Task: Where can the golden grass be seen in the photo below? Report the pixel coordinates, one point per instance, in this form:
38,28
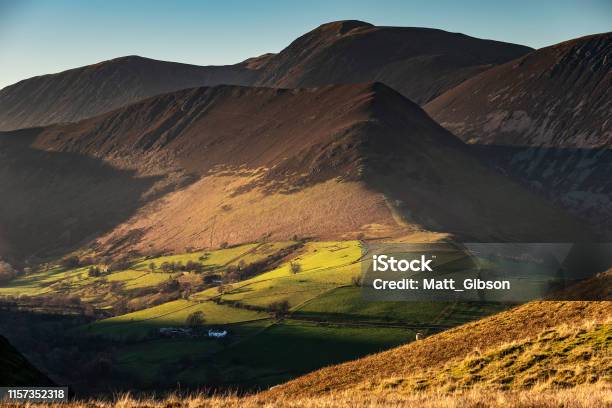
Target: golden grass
587,396
207,213
564,356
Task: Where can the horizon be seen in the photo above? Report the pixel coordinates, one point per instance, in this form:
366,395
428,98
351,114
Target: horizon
32,43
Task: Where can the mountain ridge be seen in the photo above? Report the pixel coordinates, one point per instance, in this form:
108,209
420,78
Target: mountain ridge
419,62
362,152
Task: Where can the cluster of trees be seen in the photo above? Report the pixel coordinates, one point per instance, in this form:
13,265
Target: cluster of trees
190,266
73,261
280,309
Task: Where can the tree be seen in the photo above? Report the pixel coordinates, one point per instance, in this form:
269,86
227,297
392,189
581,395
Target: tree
194,266
195,319
280,309
7,272
152,266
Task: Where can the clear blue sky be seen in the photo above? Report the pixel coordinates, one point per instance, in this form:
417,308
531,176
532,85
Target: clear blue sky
44,36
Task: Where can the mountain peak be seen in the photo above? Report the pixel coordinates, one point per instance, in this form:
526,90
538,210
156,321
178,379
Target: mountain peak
343,26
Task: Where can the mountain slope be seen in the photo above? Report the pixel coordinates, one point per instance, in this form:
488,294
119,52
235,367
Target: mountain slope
204,166
559,96
545,119
15,370
421,63
455,346
88,91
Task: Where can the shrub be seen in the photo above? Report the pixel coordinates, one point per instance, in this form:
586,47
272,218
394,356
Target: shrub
195,319
7,272
171,285
94,271
70,262
356,280
224,245
119,265
295,267
152,266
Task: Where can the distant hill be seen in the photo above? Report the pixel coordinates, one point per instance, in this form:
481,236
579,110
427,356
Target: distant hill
94,89
420,63
545,119
480,345
205,166
15,370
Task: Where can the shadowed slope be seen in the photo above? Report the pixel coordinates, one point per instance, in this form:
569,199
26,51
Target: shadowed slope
15,370
55,200
545,119
334,161
558,96
421,63
88,91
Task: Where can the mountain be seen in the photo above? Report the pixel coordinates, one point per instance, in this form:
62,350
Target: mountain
558,96
420,63
15,370
525,344
544,118
88,91
204,166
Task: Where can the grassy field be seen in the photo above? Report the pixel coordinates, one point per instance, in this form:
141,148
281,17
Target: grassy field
290,348
171,314
322,266
95,289
327,320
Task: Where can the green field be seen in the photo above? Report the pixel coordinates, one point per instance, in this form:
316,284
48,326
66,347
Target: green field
327,320
171,314
290,348
322,266
77,282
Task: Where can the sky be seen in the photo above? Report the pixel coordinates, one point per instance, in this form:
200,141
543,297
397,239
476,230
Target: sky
43,36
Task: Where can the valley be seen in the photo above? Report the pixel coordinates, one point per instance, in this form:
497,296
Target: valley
178,235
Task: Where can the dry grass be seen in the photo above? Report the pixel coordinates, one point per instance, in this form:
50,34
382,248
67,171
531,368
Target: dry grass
594,395
562,357
208,212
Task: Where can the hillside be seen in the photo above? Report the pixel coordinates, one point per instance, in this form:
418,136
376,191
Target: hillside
544,119
185,168
15,370
421,63
450,349
90,90
558,96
